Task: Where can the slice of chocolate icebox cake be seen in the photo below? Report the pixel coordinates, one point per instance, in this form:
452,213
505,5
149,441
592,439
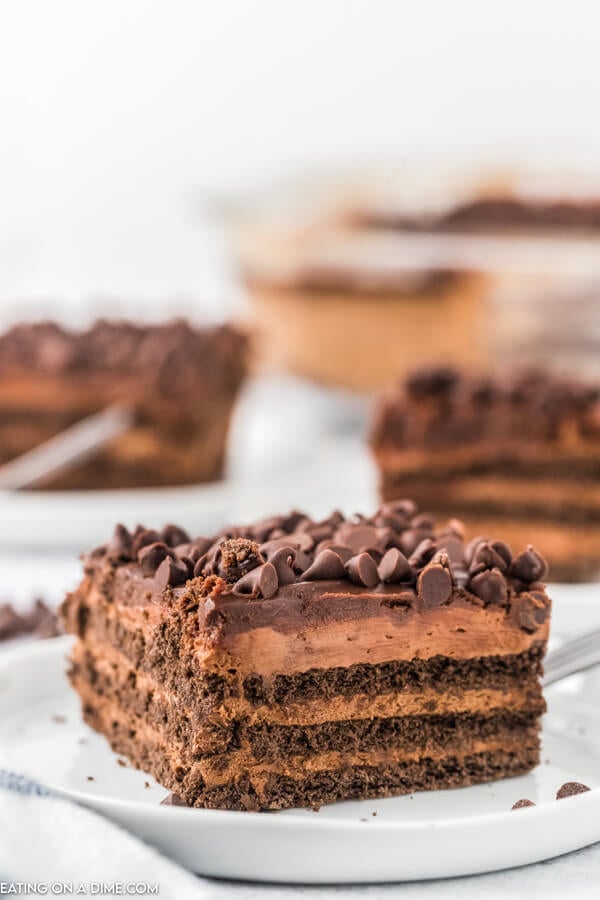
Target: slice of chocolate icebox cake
294,663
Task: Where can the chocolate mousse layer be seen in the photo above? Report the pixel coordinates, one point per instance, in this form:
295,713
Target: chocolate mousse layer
294,662
518,454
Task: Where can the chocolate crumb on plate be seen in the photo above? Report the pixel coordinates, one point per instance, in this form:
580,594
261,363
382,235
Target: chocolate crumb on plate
121,762
91,778
40,621
570,788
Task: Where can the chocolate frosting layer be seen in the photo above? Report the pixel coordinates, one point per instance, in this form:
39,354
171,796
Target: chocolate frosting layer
437,408
170,356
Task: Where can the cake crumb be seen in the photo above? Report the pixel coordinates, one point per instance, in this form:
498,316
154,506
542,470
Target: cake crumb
146,784
373,813
91,778
121,762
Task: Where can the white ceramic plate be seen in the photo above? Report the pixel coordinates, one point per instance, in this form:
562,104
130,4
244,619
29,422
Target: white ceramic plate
434,834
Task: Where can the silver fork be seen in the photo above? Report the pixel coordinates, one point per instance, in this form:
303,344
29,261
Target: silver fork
575,656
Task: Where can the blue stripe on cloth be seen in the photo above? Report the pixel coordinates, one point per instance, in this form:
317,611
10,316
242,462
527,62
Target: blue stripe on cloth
20,784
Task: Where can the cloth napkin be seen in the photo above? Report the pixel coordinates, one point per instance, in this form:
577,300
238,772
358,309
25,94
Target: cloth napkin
45,840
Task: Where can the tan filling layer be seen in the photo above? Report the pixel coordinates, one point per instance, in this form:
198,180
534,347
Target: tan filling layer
227,767
118,669
399,461
380,634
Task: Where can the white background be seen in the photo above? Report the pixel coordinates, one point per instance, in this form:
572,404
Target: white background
117,117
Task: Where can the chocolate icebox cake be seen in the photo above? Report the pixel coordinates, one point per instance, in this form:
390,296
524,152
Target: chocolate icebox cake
519,454
294,662
180,381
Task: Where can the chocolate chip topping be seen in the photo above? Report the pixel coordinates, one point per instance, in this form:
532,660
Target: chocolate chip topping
151,556
434,583
570,788
521,804
437,408
328,565
170,573
362,570
529,566
394,567
260,582
172,535
120,547
283,561
396,546
491,587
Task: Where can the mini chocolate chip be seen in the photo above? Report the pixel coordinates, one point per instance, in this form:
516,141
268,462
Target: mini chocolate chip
358,537
327,566
423,553
320,532
423,521
455,526
150,557
521,804
303,539
345,553
410,540
491,587
394,567
259,582
142,538
529,566
485,557
170,573
390,520
434,583
454,547
283,560
472,547
199,565
404,507
362,570
120,546
570,788
173,535
502,550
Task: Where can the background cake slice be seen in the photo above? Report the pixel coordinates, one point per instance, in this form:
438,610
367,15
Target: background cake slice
180,381
517,454
295,663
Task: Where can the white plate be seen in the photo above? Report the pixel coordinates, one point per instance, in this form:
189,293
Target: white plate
428,835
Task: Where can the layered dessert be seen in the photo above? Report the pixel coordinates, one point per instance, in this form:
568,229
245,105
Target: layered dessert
317,320
517,455
483,200
295,662
180,382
